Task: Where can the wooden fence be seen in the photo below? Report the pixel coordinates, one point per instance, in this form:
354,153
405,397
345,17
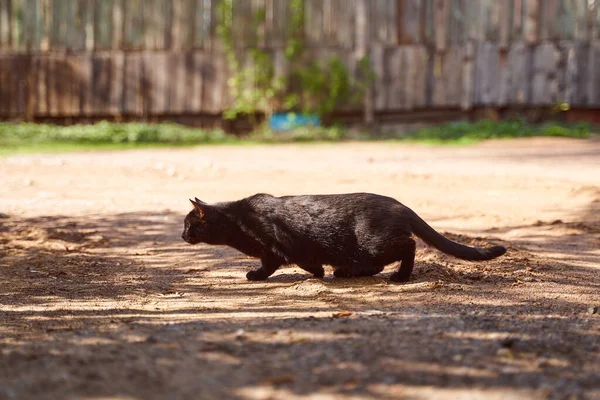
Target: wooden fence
151,58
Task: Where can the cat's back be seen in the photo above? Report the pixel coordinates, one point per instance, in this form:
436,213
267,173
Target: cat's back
325,225
261,201
334,205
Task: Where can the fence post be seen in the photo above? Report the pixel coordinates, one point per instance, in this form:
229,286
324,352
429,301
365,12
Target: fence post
362,50
468,75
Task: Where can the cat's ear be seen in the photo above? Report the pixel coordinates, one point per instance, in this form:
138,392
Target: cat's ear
199,201
198,206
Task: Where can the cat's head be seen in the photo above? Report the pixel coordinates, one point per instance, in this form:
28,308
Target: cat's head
197,224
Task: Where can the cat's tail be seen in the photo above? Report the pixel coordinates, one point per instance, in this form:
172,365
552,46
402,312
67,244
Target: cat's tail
432,238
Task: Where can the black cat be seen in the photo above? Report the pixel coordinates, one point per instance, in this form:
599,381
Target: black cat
358,234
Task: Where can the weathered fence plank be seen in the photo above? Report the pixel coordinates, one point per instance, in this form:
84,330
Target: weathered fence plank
492,20
577,79
17,33
118,27
395,81
154,24
382,22
593,68
5,24
115,105
202,24
314,21
549,13
101,83
362,51
487,76
86,73
594,20
59,86
347,22
41,96
417,76
391,15
76,28
447,78
45,29
74,86
194,85
58,21
277,13
408,18
468,76
177,88
378,58
515,75
505,15
134,24
545,74
31,25
452,76
132,84
426,22
436,80
5,91
457,25
20,75
518,13
157,72
52,97
442,16
580,9
103,25
531,26
214,85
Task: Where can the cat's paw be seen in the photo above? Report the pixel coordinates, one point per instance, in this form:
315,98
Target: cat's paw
256,275
319,274
399,277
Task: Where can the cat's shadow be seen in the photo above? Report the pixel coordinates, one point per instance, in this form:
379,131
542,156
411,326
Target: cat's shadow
329,280
428,272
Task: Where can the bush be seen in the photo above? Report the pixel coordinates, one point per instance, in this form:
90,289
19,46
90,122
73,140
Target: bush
486,129
29,136
107,133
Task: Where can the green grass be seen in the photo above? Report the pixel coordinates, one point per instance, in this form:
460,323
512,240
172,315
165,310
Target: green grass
27,137
469,132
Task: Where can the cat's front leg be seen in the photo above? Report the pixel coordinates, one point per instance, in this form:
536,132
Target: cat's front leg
270,263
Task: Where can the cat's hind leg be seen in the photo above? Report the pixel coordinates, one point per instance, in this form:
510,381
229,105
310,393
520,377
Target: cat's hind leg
315,269
270,263
356,271
407,257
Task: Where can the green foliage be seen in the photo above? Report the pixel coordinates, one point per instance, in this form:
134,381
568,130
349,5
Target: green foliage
486,129
305,134
28,136
323,88
311,86
252,88
295,40
107,133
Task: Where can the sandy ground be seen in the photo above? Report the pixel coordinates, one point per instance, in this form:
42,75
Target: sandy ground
100,298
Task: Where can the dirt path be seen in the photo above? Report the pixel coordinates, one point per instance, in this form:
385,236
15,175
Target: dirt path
100,297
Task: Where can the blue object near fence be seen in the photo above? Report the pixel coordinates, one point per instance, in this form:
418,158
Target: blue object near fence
289,121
